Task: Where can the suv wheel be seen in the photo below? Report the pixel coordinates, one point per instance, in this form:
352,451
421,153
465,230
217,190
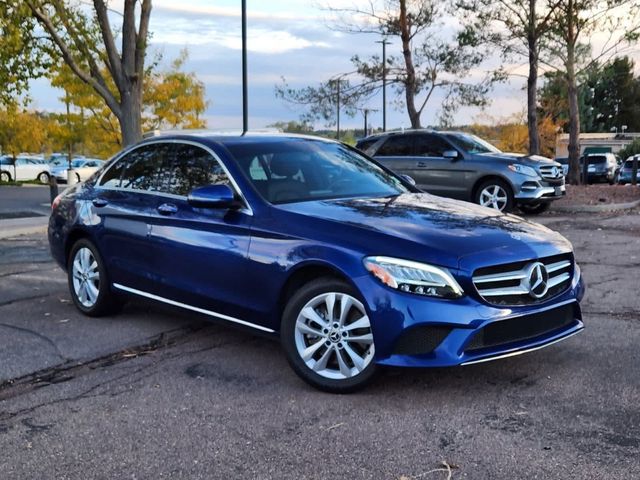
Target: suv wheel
327,337
88,281
495,194
534,208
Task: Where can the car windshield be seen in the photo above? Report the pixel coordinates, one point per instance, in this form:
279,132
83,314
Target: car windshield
298,170
471,143
78,163
596,159
629,163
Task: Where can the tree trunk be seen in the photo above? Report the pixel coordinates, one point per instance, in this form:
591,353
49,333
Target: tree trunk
574,118
410,81
130,118
532,82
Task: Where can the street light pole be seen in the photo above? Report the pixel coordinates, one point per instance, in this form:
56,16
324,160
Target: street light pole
366,112
338,110
245,99
384,43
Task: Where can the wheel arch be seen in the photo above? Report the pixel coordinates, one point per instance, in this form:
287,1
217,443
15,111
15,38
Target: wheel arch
73,236
484,178
304,273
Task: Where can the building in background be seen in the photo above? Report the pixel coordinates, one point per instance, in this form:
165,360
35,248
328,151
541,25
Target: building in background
595,142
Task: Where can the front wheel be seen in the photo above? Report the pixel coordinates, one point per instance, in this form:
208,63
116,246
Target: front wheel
496,194
327,337
534,208
5,177
43,178
88,281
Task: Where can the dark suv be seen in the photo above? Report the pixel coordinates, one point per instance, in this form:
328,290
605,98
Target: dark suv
463,166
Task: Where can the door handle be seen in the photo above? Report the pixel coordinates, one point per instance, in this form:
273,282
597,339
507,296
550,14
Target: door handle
99,202
167,209
422,164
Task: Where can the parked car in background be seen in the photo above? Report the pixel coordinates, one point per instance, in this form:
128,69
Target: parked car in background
24,168
309,241
82,168
626,171
462,166
58,159
601,167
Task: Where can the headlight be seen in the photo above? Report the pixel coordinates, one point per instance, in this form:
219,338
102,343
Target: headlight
523,169
414,277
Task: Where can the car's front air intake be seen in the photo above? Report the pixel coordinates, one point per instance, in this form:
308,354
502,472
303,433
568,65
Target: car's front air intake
524,283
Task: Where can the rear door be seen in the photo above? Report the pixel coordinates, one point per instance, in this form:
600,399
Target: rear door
126,201
201,253
398,154
27,169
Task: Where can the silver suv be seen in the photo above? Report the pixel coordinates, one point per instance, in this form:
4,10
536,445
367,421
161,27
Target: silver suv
463,166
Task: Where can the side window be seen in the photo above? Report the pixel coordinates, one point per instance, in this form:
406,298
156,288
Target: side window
397,146
137,170
194,167
256,170
431,146
111,178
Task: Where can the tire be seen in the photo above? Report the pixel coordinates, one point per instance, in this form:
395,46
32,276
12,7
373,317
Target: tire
90,270
496,194
534,208
5,177
43,178
340,350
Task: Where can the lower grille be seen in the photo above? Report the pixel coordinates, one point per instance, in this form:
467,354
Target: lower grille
420,340
524,283
528,327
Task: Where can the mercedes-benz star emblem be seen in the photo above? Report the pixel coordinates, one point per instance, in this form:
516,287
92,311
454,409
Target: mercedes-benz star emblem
538,279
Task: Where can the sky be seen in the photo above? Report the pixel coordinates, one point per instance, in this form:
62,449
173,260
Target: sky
287,39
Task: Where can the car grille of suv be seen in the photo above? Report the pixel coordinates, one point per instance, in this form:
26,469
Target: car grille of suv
551,172
524,283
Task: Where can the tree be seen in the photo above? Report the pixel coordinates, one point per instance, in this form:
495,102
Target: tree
575,22
292,127
428,62
20,131
519,28
43,31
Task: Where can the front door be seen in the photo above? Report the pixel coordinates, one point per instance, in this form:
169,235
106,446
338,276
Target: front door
201,253
437,174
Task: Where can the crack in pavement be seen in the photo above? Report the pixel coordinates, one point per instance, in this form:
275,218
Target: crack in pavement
24,299
40,336
630,315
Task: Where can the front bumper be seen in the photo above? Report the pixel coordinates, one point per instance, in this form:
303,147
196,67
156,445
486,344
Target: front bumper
533,191
412,331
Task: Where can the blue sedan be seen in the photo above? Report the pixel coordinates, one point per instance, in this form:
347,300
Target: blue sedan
310,241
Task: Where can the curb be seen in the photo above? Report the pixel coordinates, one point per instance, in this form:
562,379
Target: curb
610,207
23,226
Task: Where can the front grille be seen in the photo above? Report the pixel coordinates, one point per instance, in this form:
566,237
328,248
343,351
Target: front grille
518,283
551,172
528,327
420,340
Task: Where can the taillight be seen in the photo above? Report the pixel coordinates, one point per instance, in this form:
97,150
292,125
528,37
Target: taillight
56,202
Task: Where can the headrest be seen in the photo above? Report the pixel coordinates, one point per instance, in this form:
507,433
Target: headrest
286,164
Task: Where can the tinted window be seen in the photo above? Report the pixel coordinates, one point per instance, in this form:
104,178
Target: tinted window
111,178
471,143
364,145
300,170
431,146
193,167
596,159
397,146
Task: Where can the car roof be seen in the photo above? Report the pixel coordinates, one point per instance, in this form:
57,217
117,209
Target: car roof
412,131
216,137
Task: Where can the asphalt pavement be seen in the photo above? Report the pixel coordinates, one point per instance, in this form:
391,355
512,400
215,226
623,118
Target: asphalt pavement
159,393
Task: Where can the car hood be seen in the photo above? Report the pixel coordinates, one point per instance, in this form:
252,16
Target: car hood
532,160
432,229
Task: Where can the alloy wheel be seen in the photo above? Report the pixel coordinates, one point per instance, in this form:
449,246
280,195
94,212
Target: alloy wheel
494,196
333,336
86,277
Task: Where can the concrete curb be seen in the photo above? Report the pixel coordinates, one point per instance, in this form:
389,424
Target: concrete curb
609,207
23,226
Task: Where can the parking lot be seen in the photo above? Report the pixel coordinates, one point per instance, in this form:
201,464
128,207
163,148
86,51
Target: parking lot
159,393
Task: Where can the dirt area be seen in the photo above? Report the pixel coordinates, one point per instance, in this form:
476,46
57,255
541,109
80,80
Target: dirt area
599,194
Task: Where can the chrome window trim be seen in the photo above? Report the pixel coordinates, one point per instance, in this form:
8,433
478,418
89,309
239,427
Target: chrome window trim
246,209
191,307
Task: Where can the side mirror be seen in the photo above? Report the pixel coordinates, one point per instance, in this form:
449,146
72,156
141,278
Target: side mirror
450,154
212,196
408,179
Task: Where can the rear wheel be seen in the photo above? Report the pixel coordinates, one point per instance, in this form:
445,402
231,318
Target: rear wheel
534,208
496,194
89,282
43,178
327,337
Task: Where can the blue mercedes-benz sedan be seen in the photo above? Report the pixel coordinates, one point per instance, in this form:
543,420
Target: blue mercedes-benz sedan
310,240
